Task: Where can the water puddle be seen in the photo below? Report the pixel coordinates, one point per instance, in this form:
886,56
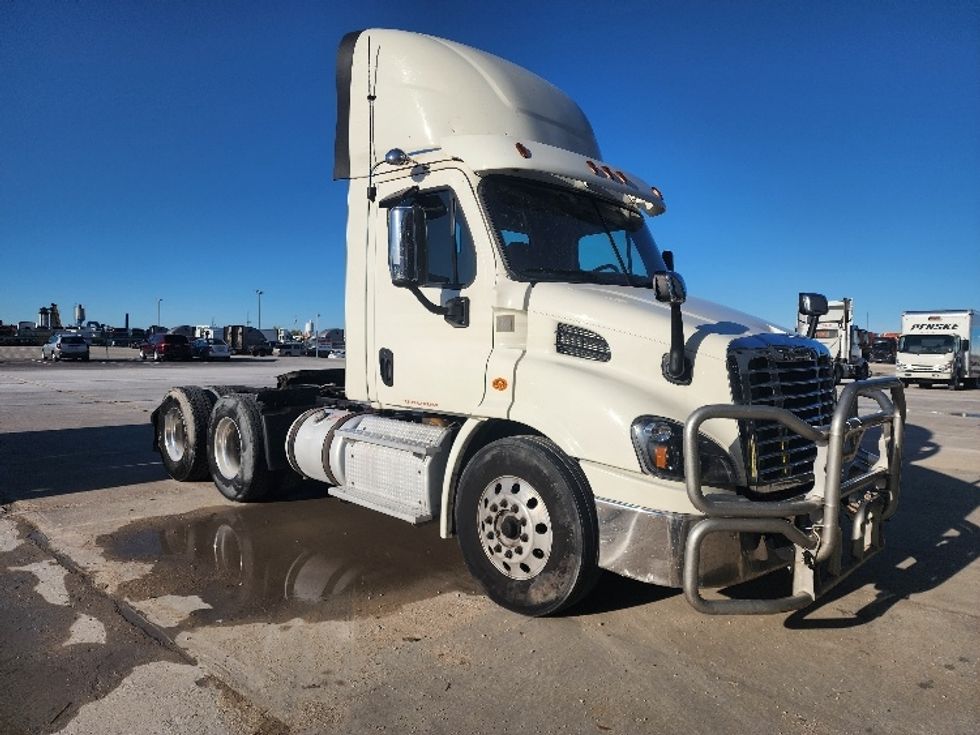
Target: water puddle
319,559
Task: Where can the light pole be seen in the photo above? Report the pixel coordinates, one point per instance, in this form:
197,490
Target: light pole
258,293
159,301
316,335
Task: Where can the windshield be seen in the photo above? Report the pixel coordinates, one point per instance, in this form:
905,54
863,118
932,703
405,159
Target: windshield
927,344
550,233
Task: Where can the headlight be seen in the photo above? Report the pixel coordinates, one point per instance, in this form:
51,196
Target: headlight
900,365
659,445
946,368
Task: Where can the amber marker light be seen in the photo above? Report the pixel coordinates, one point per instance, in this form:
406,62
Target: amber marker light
656,192
523,150
499,384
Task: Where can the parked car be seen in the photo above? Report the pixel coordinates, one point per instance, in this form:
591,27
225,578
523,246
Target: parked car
339,353
65,347
166,347
289,349
260,350
211,348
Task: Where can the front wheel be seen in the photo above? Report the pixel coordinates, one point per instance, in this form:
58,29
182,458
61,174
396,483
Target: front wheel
954,381
236,449
142,355
527,525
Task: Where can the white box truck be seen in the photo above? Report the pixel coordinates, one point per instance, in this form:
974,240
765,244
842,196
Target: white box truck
837,331
524,367
939,347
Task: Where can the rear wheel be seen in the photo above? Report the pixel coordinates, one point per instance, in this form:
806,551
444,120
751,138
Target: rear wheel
235,449
182,432
527,525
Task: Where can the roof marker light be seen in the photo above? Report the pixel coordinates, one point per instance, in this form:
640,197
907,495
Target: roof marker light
622,177
523,150
656,192
595,169
609,172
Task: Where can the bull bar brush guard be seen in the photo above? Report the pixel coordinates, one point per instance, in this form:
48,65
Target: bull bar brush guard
812,521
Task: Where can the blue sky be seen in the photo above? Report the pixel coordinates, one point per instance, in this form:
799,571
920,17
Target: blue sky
184,151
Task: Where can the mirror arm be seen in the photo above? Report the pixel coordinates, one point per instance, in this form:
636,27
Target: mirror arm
429,305
456,311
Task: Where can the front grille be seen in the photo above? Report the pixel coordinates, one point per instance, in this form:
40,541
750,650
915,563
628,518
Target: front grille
794,377
579,342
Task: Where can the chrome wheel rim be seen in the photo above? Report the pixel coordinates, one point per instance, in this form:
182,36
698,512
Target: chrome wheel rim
515,527
227,448
174,434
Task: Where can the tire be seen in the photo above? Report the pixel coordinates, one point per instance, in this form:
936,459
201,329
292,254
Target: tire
545,553
142,354
44,356
182,432
954,381
905,383
85,358
236,449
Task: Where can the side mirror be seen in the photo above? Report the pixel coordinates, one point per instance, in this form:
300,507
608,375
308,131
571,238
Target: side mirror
669,287
813,304
406,244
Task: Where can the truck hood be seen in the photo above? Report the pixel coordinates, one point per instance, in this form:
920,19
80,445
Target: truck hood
709,328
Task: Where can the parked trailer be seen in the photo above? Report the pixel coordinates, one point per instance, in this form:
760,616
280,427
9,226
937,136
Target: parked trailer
524,366
939,347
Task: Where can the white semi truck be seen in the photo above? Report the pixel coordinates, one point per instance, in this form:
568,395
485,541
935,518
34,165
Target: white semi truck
523,365
837,331
939,347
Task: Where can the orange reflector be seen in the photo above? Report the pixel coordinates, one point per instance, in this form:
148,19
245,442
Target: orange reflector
499,384
522,149
660,457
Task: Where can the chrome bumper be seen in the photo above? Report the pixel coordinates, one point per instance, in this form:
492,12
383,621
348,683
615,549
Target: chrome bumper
649,545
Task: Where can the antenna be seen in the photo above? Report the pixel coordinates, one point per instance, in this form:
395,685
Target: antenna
372,86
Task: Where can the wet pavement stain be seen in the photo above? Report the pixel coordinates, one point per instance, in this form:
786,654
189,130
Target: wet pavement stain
319,559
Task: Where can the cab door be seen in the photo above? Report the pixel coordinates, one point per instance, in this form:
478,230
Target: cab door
422,359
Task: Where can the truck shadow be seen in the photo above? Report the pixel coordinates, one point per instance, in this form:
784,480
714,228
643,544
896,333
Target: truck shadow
37,464
928,541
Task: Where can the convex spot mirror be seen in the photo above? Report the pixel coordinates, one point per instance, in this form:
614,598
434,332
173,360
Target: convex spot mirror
669,287
406,244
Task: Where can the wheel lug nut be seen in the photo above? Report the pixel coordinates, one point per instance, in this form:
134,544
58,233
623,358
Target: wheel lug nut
508,553
519,550
493,508
490,535
524,537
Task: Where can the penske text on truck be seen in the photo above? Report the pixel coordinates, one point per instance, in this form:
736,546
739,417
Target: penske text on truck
524,366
